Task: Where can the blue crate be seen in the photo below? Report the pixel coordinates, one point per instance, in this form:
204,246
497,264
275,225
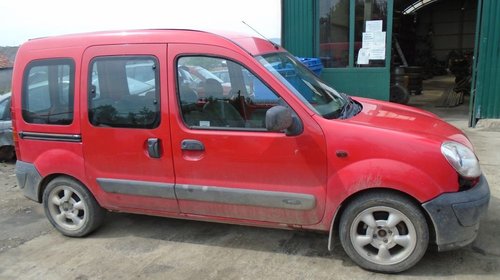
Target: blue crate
289,73
312,63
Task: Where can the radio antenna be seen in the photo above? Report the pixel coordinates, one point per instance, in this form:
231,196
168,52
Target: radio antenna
260,34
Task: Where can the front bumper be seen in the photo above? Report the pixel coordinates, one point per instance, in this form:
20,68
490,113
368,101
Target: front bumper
456,215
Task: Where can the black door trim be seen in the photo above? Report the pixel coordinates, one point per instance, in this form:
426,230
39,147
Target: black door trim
50,136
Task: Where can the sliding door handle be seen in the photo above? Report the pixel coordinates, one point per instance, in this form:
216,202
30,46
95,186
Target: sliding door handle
154,147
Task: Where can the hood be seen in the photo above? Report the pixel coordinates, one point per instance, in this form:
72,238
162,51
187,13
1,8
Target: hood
405,119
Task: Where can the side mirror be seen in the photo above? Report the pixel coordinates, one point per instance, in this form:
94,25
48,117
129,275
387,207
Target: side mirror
279,118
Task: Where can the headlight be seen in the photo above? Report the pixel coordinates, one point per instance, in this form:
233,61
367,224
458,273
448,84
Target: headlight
462,159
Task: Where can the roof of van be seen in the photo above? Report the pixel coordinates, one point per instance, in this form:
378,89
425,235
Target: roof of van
250,44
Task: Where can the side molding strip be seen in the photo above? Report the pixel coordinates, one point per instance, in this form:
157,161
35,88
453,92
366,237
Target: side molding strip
50,136
141,188
284,200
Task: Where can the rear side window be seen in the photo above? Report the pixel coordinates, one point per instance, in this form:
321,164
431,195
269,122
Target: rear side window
124,92
48,90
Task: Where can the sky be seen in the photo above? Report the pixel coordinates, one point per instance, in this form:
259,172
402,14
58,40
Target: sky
25,19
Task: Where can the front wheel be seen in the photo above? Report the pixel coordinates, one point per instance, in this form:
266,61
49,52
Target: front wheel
384,232
71,208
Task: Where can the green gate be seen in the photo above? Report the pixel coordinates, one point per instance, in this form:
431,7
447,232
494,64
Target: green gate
335,30
485,97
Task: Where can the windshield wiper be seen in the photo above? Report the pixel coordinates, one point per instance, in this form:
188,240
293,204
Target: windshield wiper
346,109
340,112
350,108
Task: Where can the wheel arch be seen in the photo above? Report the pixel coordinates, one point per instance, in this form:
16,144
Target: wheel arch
47,179
59,162
334,227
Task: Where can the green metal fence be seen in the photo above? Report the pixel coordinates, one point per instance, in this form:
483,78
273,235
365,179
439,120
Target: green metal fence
299,27
485,101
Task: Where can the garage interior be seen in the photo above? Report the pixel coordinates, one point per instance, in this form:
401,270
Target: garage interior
433,45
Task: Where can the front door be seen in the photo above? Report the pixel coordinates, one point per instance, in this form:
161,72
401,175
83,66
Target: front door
226,163
125,129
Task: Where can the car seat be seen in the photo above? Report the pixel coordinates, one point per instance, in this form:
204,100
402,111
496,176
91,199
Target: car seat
220,112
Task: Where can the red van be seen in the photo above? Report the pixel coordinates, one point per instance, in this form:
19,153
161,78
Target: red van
108,122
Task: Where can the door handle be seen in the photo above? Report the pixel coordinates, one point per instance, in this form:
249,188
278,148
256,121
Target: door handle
192,145
154,147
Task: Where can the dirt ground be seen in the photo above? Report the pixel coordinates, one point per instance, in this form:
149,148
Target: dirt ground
142,247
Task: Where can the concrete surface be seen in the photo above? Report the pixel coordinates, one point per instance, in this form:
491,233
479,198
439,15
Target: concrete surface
142,247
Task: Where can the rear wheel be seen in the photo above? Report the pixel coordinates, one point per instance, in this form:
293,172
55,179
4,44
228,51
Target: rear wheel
384,232
71,208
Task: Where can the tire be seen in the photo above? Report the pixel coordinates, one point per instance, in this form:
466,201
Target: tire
399,94
71,208
373,238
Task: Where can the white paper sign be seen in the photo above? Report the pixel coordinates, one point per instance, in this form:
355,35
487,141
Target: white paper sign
379,39
377,53
363,56
367,40
373,40
205,123
373,26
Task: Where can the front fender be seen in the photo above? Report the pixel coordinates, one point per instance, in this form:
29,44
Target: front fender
382,173
377,174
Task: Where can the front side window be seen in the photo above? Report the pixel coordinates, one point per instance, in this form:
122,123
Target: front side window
219,93
48,90
124,92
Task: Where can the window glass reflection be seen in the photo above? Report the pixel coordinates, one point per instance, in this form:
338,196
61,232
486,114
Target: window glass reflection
334,33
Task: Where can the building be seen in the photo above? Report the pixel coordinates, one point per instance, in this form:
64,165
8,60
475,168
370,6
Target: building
360,41
7,55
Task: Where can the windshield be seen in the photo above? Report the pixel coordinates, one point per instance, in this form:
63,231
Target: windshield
318,96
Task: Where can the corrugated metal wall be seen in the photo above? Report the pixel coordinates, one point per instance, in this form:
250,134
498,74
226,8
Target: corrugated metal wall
298,27
487,93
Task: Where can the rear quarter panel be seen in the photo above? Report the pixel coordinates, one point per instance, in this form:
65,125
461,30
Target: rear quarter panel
49,157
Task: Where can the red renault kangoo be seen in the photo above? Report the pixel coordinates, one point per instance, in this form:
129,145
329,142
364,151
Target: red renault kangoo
118,121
